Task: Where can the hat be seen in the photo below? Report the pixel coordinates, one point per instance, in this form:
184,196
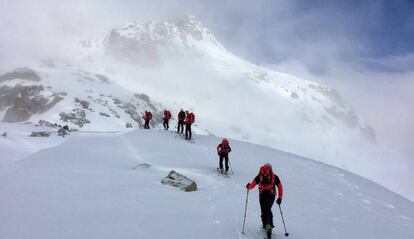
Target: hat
266,169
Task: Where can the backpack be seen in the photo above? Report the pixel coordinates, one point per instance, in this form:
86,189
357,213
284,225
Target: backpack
192,117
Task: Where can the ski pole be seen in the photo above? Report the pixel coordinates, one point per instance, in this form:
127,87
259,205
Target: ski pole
283,220
231,169
245,210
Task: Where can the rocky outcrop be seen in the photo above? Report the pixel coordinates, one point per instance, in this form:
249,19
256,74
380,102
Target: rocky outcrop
83,103
21,102
78,117
40,134
180,181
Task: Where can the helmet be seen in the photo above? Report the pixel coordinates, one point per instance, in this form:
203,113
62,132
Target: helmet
225,141
266,169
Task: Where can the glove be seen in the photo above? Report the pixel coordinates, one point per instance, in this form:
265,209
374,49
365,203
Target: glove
248,185
279,201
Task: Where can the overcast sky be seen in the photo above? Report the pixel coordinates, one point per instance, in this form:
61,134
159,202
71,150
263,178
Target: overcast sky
364,49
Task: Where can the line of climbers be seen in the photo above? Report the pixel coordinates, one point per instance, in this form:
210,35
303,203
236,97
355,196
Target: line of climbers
266,178
184,118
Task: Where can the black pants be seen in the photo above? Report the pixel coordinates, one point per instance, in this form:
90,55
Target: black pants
165,123
180,127
224,156
267,199
188,131
146,125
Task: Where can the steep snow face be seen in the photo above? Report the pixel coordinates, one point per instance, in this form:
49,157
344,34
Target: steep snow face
108,185
150,42
181,64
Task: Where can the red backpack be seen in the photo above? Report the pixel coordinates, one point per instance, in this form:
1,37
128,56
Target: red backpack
192,117
149,115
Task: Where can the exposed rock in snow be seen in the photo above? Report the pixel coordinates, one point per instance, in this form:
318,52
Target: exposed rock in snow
62,131
20,102
83,103
4,134
40,134
78,117
179,181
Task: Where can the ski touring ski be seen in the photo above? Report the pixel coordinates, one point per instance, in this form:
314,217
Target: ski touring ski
220,173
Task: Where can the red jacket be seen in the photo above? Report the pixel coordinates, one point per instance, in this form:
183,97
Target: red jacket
223,148
167,115
266,184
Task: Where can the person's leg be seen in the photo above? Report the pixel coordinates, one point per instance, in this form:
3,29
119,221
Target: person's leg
221,162
186,131
168,126
267,199
262,209
272,200
189,131
226,157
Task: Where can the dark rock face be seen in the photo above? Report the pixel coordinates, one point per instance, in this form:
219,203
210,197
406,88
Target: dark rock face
180,181
24,101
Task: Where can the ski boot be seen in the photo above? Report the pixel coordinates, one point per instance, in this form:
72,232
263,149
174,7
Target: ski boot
268,230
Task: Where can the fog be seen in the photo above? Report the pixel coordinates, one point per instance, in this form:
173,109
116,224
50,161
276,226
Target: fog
363,49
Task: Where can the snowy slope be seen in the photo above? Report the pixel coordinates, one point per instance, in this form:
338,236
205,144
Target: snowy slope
180,64
90,187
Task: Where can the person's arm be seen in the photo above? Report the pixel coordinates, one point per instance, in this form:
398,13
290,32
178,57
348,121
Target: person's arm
218,148
279,186
253,184
229,149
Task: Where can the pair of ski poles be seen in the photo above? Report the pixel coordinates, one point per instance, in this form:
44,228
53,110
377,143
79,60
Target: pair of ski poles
245,210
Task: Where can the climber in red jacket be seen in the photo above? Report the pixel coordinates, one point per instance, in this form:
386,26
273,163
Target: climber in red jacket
166,118
268,181
189,120
223,150
147,117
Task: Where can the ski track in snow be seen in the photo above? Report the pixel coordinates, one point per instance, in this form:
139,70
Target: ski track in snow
107,185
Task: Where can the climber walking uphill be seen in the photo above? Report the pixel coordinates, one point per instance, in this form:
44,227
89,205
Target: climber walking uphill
180,119
223,150
268,181
147,117
189,120
166,118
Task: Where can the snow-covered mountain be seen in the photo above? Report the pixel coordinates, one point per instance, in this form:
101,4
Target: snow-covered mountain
108,185
180,64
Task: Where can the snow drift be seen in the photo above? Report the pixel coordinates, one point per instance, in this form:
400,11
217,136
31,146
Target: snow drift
90,187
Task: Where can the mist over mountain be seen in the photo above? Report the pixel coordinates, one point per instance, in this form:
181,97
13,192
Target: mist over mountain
179,63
